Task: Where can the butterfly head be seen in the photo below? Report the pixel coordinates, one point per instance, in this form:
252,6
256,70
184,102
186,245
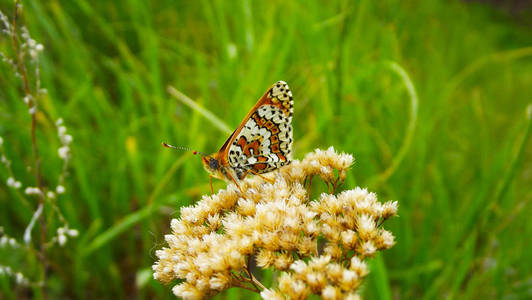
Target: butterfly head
212,164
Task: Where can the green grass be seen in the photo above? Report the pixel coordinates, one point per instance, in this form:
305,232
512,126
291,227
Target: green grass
429,96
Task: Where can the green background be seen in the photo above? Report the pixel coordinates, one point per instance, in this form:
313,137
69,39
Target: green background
429,96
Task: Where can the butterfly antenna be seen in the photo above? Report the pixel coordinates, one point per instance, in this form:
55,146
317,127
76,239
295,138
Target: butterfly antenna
182,148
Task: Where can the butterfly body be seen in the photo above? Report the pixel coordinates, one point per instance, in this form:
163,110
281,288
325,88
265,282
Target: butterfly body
262,142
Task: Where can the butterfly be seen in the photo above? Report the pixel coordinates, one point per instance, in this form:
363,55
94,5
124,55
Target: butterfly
261,143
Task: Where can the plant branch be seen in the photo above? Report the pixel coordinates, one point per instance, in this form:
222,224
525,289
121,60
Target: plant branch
252,278
239,284
32,106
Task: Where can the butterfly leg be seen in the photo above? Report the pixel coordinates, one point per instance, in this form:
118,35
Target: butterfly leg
236,183
210,181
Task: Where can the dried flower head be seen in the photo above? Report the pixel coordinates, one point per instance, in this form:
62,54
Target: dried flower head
274,222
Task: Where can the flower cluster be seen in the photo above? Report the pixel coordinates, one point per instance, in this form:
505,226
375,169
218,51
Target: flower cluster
30,44
11,182
20,279
64,232
6,240
66,139
64,154
319,245
10,244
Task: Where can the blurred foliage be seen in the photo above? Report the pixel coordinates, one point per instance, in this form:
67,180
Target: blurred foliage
462,179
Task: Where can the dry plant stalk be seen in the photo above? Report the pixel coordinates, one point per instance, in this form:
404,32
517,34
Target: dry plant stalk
318,246
23,59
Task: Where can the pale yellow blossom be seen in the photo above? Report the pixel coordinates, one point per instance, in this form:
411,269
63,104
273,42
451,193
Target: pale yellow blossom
319,245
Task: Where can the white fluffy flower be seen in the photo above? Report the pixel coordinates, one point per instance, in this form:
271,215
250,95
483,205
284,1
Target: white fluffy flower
64,152
60,189
32,191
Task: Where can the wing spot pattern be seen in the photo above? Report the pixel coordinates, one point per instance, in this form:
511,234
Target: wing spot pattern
264,142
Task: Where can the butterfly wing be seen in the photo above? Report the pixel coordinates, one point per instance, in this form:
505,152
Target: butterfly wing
263,141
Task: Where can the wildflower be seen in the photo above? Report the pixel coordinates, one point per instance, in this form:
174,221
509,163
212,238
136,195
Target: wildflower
66,139
5,22
61,238
11,182
19,278
268,294
60,189
63,233
64,152
5,240
385,239
389,209
32,191
274,222
72,232
61,130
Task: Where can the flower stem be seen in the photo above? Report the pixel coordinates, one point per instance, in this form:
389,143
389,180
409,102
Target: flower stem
242,286
31,104
252,279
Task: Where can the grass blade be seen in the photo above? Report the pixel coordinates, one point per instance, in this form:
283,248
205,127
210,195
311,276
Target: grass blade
201,110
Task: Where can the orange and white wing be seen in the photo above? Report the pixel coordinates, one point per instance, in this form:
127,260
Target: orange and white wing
263,141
